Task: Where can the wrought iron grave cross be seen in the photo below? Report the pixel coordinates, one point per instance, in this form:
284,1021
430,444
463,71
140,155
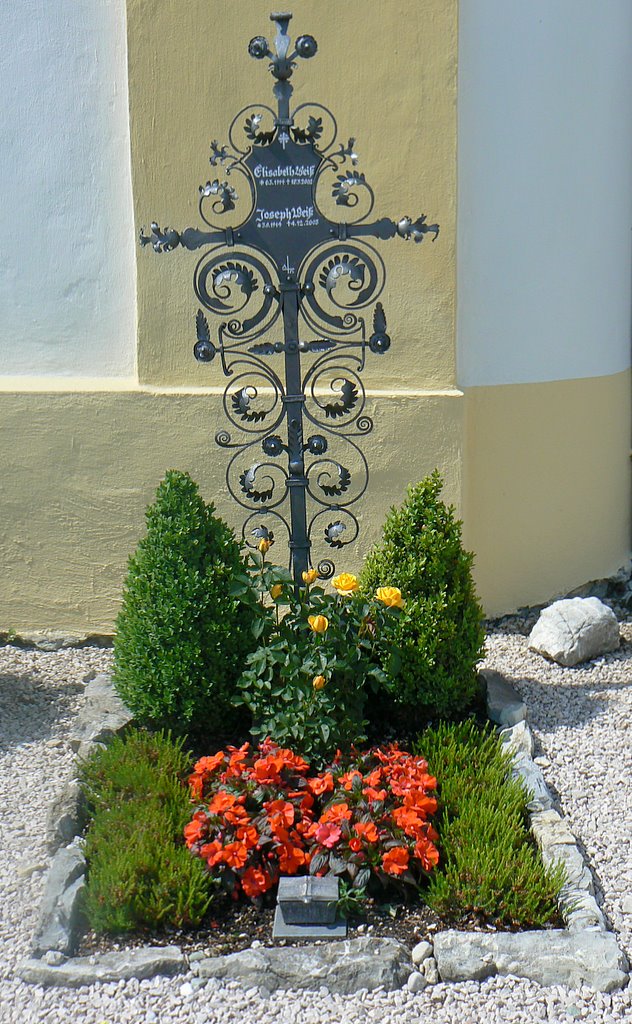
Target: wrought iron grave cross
286,260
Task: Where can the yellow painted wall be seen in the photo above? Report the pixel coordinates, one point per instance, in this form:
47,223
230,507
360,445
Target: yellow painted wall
539,472
386,70
546,486
88,461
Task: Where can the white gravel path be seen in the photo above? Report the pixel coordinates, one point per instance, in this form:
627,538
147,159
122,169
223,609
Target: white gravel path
582,720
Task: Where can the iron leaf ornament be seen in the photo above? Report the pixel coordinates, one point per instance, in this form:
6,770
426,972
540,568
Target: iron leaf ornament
272,263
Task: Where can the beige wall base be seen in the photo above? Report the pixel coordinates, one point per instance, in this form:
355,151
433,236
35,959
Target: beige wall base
545,494
546,486
80,467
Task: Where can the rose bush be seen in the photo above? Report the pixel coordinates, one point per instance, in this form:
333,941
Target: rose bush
308,681
261,814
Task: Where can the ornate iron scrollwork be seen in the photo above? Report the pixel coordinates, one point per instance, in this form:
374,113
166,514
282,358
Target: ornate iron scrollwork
284,259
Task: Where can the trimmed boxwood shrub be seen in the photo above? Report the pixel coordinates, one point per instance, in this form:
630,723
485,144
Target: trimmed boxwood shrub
181,640
438,639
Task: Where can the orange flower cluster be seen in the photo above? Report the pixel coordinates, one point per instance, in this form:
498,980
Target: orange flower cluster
380,806
256,809
261,815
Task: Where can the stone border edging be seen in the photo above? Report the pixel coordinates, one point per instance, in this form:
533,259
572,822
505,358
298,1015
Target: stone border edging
584,953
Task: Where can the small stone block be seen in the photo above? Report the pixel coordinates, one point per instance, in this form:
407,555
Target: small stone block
308,900
282,930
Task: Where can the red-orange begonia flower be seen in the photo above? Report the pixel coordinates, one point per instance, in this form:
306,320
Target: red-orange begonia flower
374,794
212,853
278,829
427,854
373,778
236,815
221,802
293,761
395,861
291,858
346,779
337,812
280,808
267,771
366,830
196,785
321,784
306,827
355,845
248,835
209,764
235,855
196,829
255,882
420,802
408,820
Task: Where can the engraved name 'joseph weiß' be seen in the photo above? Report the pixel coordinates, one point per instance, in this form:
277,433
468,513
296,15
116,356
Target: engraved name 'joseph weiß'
289,214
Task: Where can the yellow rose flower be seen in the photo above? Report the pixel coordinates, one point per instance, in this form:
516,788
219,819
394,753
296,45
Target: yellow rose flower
264,546
310,576
276,590
345,583
319,623
318,682
390,596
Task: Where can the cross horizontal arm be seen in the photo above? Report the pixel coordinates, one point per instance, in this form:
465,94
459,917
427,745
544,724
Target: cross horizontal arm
191,238
386,228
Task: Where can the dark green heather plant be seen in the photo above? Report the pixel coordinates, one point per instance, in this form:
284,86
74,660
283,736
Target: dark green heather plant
181,639
490,869
138,766
438,639
138,877
140,873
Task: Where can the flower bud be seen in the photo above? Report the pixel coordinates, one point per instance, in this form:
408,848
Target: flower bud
319,623
310,576
319,682
264,546
276,590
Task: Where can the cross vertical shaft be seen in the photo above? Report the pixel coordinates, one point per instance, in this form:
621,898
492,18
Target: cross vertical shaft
294,401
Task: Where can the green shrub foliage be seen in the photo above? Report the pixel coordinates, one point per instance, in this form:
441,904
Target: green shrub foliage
140,874
438,639
180,638
489,868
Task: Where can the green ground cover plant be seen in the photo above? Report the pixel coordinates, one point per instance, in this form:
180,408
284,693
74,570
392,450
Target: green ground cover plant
140,874
491,869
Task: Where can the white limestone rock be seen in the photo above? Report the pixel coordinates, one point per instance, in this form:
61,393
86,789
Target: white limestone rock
547,957
144,962
60,913
345,967
575,630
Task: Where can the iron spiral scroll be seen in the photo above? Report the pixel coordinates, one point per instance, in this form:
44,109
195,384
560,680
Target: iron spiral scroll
294,296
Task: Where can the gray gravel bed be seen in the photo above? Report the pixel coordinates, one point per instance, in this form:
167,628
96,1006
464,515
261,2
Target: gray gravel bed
581,718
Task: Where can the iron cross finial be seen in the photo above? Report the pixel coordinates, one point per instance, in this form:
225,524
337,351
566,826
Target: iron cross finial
282,65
